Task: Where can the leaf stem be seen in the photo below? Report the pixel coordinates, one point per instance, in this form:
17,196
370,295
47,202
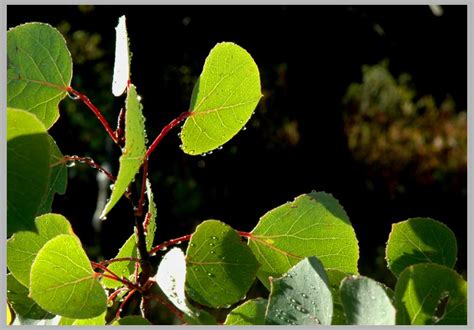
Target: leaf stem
168,243
95,110
165,131
107,262
85,160
119,310
245,234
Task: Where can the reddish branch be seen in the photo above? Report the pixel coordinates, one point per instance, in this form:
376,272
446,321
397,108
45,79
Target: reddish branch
168,243
165,131
95,110
89,161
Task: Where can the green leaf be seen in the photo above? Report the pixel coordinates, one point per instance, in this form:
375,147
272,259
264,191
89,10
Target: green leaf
302,296
26,310
133,154
63,282
366,302
66,321
28,171
58,177
23,246
171,277
220,268
98,320
421,293
122,268
39,69
251,312
132,320
223,99
420,240
314,224
151,228
335,278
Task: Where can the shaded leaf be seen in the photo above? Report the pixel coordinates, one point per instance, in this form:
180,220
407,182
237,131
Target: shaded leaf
28,171
420,240
220,268
366,302
335,277
57,179
23,246
421,292
133,153
63,282
39,69
251,312
223,99
314,224
26,310
302,296
132,320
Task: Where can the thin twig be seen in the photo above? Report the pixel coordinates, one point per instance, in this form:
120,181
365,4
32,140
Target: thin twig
95,110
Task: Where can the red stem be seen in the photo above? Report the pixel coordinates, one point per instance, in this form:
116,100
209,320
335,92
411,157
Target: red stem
168,243
139,210
95,110
187,238
115,293
112,275
90,162
165,131
129,295
245,234
107,262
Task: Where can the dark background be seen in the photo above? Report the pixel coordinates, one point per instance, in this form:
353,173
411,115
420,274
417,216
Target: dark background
307,56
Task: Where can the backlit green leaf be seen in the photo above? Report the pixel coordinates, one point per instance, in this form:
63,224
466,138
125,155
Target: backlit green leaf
251,312
366,302
301,297
420,240
132,320
26,310
98,320
134,151
39,68
63,282
23,246
220,268
122,268
223,99
430,294
314,224
28,171
57,179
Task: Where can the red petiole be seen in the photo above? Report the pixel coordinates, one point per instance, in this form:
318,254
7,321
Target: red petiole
95,110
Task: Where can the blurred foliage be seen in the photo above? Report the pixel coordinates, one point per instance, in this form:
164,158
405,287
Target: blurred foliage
394,132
